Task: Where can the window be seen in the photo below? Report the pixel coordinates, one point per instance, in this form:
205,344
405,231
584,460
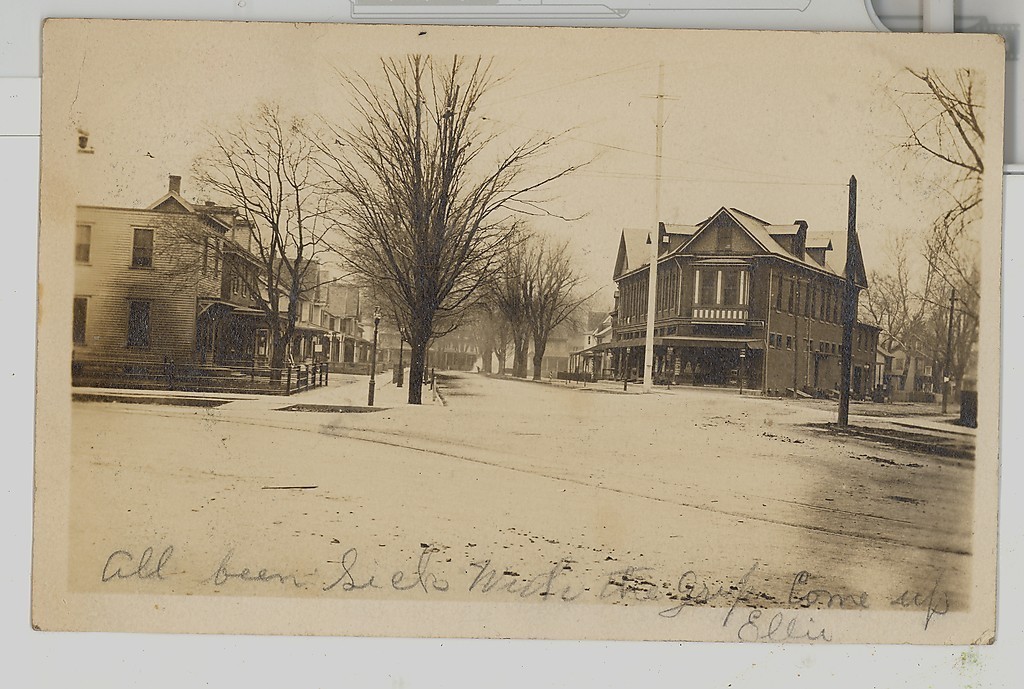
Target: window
83,243
778,295
725,239
142,249
78,320
216,258
789,342
709,287
206,254
730,287
138,323
792,296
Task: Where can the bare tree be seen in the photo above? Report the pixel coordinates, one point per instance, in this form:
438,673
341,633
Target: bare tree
942,115
264,167
510,291
491,332
554,293
424,205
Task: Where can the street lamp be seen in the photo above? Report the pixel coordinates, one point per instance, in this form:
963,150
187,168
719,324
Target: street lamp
743,361
373,356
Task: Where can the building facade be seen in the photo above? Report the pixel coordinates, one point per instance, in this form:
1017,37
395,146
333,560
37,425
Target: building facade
177,283
741,301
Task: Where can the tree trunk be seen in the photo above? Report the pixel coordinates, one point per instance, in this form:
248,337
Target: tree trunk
485,360
539,346
502,359
417,364
520,346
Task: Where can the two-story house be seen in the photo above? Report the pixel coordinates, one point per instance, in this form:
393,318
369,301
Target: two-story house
148,281
740,297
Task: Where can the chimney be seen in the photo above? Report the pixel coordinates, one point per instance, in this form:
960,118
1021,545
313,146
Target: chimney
174,184
800,240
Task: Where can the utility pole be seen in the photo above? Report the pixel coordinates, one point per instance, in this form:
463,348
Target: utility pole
849,310
654,241
373,358
949,352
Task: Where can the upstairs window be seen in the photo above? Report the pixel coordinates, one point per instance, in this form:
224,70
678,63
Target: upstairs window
708,287
142,248
83,243
731,287
724,239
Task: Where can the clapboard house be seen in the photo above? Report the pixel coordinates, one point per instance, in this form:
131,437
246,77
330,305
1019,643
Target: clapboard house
740,300
176,286
145,278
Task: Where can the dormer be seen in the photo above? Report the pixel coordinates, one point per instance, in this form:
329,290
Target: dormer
816,247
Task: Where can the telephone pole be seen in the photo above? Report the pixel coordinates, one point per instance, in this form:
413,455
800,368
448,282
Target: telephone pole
849,310
949,352
654,240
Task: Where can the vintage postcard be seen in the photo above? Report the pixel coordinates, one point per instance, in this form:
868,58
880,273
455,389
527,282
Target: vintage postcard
509,332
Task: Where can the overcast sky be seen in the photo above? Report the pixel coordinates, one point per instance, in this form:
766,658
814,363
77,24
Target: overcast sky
771,124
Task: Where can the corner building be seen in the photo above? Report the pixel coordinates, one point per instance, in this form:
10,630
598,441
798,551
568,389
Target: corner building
741,301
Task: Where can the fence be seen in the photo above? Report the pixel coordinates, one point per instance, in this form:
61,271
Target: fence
197,378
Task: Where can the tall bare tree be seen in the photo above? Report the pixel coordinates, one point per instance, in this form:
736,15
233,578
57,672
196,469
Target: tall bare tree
510,290
554,293
942,116
264,167
942,113
424,200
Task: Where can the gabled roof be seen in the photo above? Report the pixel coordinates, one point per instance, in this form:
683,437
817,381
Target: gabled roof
168,201
633,250
766,235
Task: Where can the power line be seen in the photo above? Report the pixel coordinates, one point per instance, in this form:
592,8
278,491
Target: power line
650,153
573,82
644,176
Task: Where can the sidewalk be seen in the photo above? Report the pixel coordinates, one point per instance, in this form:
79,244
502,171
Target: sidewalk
343,390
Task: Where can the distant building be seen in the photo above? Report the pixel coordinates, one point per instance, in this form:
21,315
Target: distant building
739,297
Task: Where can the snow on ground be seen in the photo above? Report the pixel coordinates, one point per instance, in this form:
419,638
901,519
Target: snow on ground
510,486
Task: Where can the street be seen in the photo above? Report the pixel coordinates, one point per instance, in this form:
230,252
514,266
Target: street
623,498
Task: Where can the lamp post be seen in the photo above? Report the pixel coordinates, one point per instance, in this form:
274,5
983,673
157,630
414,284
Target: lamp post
373,356
743,361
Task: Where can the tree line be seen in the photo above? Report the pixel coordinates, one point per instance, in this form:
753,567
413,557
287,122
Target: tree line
943,145
414,196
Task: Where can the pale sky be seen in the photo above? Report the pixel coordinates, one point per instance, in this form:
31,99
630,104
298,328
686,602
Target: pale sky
771,124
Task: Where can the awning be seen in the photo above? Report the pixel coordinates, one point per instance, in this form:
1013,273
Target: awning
310,327
595,349
205,305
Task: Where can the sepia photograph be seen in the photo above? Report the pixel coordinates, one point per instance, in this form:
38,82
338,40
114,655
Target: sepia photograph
518,332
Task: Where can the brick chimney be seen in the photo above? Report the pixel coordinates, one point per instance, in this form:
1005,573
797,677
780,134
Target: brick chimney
174,183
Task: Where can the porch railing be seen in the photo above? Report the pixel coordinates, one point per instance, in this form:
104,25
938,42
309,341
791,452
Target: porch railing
168,375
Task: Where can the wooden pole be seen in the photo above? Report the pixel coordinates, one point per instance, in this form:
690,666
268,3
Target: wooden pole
949,352
654,240
849,310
